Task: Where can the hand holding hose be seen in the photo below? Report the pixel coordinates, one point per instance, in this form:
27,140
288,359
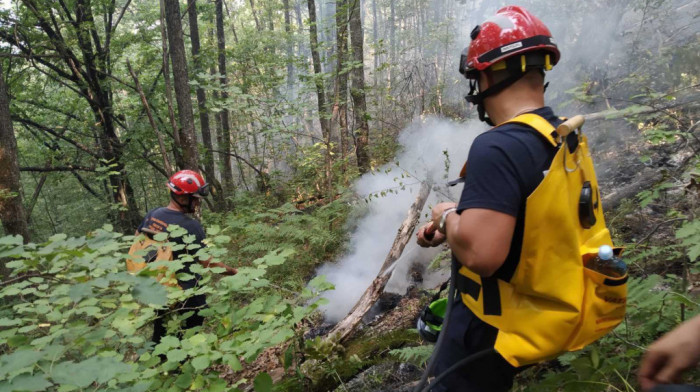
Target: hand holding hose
428,235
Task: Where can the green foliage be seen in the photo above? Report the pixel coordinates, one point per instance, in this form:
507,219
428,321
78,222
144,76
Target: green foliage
74,319
307,238
649,196
418,355
689,234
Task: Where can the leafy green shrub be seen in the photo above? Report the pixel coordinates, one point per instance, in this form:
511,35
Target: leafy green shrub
72,318
315,235
418,355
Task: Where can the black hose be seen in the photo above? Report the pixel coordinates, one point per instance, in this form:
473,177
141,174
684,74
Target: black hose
443,331
458,365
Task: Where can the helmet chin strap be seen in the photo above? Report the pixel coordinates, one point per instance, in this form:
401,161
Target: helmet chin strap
478,99
186,207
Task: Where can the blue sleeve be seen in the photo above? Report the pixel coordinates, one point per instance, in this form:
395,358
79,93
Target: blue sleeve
143,222
492,180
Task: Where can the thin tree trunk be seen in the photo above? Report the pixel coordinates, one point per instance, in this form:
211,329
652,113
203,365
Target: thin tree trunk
341,76
358,89
255,15
290,47
392,42
182,85
12,212
179,162
161,143
202,106
375,41
223,80
320,92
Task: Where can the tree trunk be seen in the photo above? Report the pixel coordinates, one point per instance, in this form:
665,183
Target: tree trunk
12,212
177,151
358,89
88,74
341,76
202,106
375,40
290,47
255,15
223,80
392,42
320,93
182,86
147,108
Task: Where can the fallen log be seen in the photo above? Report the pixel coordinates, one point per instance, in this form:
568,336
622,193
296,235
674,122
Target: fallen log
646,179
345,327
642,108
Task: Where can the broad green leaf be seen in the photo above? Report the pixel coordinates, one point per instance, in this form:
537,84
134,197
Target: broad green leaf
201,362
95,369
233,362
184,380
7,322
80,291
11,363
72,374
176,355
262,383
149,292
11,240
26,382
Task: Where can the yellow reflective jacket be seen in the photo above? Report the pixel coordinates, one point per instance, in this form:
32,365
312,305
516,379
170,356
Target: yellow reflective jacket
552,303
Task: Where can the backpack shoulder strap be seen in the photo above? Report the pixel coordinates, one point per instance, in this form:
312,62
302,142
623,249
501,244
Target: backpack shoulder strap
532,120
538,123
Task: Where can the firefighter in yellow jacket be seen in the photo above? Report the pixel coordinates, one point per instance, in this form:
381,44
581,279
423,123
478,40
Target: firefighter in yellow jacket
527,220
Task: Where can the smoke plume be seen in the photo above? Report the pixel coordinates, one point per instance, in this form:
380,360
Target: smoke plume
430,146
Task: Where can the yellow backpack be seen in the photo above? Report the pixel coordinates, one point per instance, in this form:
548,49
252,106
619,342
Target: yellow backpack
552,303
145,250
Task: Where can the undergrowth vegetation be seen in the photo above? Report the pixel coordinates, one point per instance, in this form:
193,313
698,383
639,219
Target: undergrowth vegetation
73,319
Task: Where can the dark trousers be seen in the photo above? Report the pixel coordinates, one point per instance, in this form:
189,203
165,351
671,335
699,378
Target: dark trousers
194,303
468,335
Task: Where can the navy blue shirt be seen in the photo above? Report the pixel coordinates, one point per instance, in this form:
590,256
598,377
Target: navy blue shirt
506,164
157,220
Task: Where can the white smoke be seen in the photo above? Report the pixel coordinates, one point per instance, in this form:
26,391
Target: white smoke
426,143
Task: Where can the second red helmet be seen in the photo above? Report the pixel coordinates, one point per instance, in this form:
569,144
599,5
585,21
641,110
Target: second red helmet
188,182
513,30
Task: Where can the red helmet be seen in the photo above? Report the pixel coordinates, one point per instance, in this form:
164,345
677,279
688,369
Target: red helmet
513,30
188,182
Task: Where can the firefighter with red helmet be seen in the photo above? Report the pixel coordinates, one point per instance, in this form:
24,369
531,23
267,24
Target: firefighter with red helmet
505,65
187,188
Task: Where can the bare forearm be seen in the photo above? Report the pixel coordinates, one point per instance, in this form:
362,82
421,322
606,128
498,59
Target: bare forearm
211,264
461,246
480,238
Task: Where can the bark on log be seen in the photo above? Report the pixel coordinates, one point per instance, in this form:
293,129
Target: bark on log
609,114
345,327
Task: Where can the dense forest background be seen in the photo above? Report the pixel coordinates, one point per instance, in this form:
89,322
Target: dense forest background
283,106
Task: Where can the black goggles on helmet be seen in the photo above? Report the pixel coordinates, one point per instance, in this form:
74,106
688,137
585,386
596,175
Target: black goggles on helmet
203,191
